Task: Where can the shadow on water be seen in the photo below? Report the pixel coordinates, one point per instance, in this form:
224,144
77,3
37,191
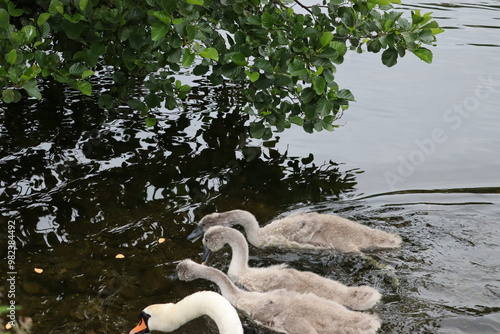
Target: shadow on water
83,186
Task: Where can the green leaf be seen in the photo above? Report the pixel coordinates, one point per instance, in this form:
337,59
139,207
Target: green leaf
195,2
73,30
328,123
339,46
44,30
436,31
326,38
56,7
11,57
187,58
87,73
415,17
346,95
83,4
390,57
136,104
4,18
29,33
297,68
424,54
163,16
175,56
324,107
42,18
431,25
32,89
254,20
264,65
150,121
404,24
169,5
13,11
257,129
426,36
11,96
77,69
253,76
308,126
267,20
191,33
210,53
388,24
319,84
307,95
85,87
239,59
296,120
159,30
123,33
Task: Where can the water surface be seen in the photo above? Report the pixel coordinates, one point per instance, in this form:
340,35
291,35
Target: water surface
417,154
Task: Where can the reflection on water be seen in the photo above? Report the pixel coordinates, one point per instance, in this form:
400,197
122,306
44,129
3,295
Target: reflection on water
81,192
84,186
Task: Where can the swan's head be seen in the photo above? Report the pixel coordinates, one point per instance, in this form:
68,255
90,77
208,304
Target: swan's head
213,240
228,218
216,237
187,270
154,317
142,327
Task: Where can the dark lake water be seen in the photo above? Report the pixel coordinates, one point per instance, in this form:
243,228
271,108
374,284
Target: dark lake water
418,153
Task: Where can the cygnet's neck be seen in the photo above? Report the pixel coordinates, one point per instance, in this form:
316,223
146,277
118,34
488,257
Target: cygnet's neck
251,226
169,317
227,288
239,247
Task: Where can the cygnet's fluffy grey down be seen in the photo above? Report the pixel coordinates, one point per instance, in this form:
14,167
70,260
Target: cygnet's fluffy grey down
285,311
303,230
168,317
282,277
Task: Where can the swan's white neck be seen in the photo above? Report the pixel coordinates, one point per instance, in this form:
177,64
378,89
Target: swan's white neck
169,317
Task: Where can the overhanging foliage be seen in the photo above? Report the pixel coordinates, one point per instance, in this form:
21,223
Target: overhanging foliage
287,51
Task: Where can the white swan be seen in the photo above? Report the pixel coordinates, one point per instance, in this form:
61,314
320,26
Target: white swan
303,230
168,317
285,311
280,276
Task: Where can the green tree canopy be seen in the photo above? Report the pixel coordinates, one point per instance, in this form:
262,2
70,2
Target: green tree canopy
286,51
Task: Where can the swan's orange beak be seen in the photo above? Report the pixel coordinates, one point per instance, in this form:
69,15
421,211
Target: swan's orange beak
141,328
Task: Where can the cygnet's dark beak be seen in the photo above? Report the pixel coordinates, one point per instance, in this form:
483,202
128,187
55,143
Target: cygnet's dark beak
196,234
205,257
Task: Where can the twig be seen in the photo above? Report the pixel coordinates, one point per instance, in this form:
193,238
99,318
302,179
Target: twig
303,6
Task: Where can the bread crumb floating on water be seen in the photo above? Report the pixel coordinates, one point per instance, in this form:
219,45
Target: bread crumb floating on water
119,256
161,240
38,270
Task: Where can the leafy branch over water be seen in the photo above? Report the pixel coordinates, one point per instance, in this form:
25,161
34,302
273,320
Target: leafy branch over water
286,51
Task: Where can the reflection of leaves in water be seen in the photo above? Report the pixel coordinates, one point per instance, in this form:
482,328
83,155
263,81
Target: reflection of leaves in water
93,186
87,167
